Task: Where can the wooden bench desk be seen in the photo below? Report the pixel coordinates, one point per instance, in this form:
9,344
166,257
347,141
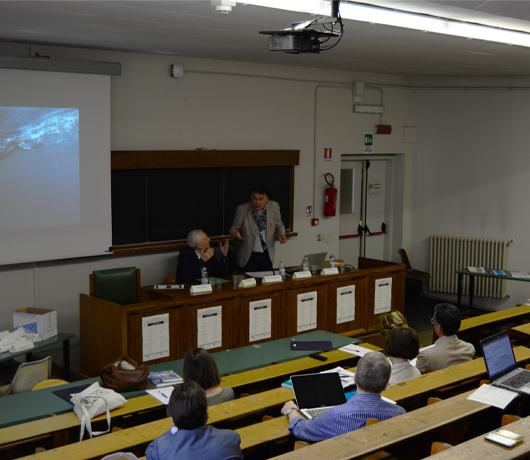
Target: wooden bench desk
249,381
480,448
424,422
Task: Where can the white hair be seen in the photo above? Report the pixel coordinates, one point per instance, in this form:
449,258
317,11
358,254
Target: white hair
194,238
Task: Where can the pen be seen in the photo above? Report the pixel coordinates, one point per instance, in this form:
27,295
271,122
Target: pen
164,395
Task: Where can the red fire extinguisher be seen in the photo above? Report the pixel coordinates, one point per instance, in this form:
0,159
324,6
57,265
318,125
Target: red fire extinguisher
330,199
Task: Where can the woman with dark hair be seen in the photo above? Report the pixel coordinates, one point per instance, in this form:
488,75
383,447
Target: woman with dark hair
200,367
402,345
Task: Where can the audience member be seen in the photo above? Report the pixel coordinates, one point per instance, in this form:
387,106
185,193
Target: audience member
391,320
190,437
448,350
200,367
402,344
373,372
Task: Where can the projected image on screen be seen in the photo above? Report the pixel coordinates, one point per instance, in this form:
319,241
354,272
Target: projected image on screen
39,167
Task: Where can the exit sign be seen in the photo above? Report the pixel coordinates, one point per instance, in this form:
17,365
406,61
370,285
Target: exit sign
369,143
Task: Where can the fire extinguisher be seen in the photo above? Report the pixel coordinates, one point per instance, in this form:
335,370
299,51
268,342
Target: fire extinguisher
330,205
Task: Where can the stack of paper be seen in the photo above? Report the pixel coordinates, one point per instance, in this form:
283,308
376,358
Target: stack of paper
165,378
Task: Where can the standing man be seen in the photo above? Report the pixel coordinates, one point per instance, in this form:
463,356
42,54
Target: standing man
448,350
373,373
253,227
200,254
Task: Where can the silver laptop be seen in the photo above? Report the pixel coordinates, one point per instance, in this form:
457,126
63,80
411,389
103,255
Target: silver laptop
317,393
501,365
317,259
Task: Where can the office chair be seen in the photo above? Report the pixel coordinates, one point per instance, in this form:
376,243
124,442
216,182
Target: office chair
415,278
117,285
28,375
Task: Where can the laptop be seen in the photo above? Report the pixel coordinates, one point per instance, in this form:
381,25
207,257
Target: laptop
501,365
317,393
317,259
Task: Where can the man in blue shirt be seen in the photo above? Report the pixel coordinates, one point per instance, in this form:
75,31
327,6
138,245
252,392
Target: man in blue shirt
191,438
373,373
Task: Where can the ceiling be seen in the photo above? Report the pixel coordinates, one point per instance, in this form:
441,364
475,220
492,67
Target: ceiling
192,28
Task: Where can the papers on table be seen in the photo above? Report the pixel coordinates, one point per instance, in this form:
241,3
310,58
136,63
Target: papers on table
259,326
161,394
155,337
306,312
493,396
355,350
519,275
476,269
260,274
347,378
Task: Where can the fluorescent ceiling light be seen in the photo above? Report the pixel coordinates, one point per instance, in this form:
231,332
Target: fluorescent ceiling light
387,17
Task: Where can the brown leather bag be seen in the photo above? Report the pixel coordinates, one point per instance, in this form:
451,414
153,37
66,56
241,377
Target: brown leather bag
124,374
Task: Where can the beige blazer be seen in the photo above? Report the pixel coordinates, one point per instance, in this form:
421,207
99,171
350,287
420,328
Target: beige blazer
244,224
447,351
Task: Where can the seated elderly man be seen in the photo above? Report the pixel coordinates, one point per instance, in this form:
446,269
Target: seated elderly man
200,254
191,437
448,350
373,373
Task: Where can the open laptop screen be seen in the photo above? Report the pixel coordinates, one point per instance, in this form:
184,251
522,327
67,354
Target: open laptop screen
498,354
318,390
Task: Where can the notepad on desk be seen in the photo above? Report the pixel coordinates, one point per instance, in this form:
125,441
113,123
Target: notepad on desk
165,378
476,269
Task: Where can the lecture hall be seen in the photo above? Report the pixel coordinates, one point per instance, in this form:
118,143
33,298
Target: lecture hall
169,114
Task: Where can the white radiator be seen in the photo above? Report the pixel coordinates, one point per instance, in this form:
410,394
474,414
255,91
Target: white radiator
451,253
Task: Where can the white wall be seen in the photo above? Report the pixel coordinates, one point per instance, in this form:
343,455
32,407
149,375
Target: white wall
150,110
471,170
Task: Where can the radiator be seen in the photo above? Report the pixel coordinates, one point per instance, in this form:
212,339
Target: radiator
451,253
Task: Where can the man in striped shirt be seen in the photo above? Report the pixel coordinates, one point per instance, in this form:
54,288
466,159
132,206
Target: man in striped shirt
373,373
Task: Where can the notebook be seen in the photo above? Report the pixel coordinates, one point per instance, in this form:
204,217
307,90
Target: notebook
501,365
317,259
317,393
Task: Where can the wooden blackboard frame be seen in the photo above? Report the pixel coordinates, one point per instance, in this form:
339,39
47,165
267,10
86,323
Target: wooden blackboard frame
173,159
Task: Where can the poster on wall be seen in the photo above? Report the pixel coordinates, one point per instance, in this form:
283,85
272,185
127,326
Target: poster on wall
155,337
306,312
383,295
209,327
345,304
259,320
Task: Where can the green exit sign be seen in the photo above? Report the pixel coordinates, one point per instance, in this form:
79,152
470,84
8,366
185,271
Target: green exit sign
369,143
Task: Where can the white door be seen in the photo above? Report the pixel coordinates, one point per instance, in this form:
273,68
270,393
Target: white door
363,202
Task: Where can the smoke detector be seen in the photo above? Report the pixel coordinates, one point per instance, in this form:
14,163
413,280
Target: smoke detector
223,6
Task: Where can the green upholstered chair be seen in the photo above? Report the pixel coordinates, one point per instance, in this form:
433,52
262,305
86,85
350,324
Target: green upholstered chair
117,285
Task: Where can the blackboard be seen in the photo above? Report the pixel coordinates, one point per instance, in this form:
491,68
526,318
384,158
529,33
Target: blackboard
153,205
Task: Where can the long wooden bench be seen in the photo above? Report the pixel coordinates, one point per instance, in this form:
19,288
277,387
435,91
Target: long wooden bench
248,381
426,422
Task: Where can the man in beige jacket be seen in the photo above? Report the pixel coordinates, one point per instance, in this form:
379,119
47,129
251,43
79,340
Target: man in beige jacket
253,228
448,350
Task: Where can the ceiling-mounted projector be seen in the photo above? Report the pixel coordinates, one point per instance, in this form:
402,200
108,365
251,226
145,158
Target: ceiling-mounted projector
296,41
301,38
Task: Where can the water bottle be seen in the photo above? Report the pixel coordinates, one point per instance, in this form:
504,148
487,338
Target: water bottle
282,269
305,264
204,275
332,261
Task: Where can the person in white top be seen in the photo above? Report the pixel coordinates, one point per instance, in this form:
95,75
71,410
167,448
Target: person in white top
402,345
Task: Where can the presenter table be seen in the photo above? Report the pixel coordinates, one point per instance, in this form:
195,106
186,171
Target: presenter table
64,338
25,407
472,275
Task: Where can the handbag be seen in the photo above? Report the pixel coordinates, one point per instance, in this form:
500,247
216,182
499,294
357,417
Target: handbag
124,374
94,401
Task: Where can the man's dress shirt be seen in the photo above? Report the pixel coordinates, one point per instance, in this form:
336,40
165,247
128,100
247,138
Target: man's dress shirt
344,418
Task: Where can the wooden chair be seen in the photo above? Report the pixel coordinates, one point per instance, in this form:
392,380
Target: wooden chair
117,285
300,444
169,279
508,418
415,278
48,383
437,446
433,400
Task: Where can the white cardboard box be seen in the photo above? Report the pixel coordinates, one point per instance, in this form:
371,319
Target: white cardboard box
37,321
